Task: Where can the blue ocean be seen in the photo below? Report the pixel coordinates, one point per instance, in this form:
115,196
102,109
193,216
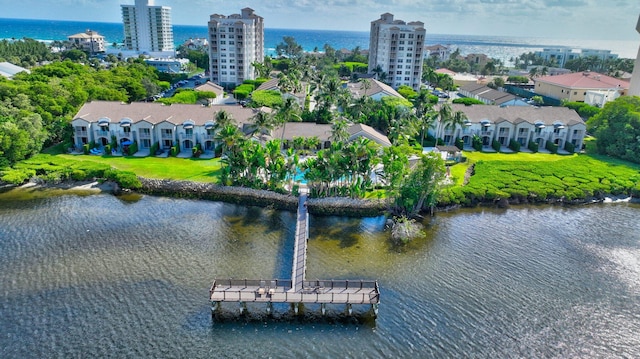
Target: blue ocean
500,47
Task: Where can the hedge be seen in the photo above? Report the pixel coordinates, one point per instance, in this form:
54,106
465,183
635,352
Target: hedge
514,145
533,146
570,147
496,145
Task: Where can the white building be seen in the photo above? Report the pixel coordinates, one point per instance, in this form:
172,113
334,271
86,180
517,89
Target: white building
168,65
561,55
397,48
634,87
147,28
89,41
235,42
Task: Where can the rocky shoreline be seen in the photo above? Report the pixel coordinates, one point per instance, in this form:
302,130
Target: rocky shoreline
333,206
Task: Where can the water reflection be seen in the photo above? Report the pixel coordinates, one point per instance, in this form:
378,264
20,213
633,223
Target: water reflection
93,276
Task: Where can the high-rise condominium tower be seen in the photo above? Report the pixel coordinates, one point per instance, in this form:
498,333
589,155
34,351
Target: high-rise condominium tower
235,42
396,47
147,28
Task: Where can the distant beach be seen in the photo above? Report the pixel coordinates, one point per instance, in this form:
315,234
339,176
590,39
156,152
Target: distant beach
501,47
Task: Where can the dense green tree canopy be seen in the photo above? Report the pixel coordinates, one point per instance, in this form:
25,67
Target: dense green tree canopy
36,108
617,128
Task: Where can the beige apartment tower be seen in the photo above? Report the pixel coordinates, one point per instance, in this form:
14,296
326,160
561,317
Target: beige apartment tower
235,42
147,28
396,47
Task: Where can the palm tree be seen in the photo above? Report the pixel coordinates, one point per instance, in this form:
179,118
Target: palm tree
366,85
378,71
339,131
429,75
289,111
263,123
445,114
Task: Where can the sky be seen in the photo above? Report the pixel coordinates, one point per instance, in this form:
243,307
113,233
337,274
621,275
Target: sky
562,19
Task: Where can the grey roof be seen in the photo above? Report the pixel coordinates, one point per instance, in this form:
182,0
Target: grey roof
360,129
8,69
212,87
357,89
155,112
302,129
487,93
451,149
519,114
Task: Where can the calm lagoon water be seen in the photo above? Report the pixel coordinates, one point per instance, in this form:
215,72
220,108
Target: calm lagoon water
98,276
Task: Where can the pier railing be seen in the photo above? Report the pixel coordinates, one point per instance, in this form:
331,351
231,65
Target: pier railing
277,291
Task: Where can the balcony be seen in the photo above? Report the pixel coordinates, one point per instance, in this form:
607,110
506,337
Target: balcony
81,133
122,134
166,136
186,136
100,133
144,135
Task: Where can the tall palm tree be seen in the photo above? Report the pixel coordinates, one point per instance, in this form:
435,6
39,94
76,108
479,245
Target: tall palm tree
289,111
263,123
366,85
445,114
454,120
339,131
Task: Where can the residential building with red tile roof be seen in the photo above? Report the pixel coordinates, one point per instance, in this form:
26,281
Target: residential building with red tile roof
574,86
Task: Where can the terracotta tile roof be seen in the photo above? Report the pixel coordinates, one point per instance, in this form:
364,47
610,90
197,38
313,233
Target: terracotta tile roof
519,114
584,80
445,71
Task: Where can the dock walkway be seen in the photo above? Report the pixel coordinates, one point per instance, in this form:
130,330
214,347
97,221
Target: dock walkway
298,289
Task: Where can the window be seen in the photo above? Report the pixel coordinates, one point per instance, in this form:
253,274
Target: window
401,48
222,42
411,36
401,42
400,61
402,36
398,72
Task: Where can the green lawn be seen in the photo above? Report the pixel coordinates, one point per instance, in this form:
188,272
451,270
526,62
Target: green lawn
188,169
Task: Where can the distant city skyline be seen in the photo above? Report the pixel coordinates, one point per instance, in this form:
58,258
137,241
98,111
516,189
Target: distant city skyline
566,19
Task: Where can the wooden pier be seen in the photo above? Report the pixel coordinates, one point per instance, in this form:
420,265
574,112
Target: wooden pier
297,290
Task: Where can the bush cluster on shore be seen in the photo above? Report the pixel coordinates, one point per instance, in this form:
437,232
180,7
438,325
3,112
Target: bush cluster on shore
52,169
574,179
